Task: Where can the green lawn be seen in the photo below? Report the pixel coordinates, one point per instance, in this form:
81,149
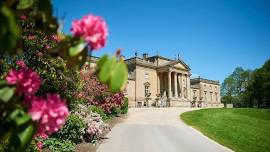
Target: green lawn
242,130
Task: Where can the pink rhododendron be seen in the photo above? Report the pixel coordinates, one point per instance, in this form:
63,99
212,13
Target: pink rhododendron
50,112
93,29
23,17
21,64
39,145
31,37
26,80
56,38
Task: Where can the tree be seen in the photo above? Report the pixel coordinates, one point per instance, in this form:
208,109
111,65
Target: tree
260,85
234,87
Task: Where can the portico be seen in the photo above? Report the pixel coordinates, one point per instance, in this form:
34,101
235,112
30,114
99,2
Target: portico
173,85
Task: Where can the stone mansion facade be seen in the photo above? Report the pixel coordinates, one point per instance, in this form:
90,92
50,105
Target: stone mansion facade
159,81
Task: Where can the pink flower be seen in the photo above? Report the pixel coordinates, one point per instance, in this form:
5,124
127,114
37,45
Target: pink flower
93,29
39,145
26,80
31,37
50,113
23,17
56,38
94,128
47,47
41,135
21,64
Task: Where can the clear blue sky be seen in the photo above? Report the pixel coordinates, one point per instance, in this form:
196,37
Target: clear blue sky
212,36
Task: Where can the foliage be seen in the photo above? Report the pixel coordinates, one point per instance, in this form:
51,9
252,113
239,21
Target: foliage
56,145
235,85
28,32
94,123
99,111
98,94
245,88
124,107
73,130
241,129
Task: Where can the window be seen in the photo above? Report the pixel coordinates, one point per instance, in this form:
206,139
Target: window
146,91
146,76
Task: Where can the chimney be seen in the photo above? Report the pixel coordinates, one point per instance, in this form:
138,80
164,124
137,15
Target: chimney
122,57
145,56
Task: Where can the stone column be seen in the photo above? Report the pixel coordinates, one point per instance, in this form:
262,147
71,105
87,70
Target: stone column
169,85
175,85
182,84
188,87
158,83
186,77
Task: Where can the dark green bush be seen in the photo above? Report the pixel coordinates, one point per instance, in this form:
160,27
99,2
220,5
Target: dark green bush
73,129
100,111
124,107
56,145
115,111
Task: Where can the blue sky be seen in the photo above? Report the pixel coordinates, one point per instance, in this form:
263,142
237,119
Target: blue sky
212,36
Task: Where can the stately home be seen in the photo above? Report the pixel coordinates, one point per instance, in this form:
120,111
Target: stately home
162,82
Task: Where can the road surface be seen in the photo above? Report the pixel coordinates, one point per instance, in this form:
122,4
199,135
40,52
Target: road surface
157,130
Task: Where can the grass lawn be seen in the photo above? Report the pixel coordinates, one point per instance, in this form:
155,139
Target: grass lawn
242,130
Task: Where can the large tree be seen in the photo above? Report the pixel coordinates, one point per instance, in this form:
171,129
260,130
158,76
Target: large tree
234,87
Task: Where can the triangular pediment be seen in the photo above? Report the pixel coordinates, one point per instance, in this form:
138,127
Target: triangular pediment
178,64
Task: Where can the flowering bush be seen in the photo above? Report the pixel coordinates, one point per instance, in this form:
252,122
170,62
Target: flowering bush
73,130
98,94
29,98
94,123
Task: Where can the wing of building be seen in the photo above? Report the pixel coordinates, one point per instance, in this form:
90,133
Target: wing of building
163,82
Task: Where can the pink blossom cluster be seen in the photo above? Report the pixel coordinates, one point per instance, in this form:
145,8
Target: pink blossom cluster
50,112
26,80
98,94
56,38
93,29
94,129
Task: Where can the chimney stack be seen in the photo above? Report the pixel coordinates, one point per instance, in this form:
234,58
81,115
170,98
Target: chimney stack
145,56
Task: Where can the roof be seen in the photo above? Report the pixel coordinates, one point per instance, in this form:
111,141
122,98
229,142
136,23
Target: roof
199,79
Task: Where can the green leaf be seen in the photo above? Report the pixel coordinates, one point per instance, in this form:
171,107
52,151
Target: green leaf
21,138
77,49
9,31
118,77
102,60
26,135
78,60
6,93
3,83
19,117
106,69
24,4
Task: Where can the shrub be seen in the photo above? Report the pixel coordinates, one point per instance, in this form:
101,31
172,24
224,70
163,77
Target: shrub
115,111
73,130
99,111
56,145
124,107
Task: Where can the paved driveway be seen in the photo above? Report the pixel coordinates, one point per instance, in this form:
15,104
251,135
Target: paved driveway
157,130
